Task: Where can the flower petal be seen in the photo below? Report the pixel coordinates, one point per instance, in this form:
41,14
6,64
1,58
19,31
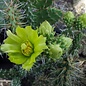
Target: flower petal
40,44
30,62
32,34
9,41
21,33
13,37
10,48
17,58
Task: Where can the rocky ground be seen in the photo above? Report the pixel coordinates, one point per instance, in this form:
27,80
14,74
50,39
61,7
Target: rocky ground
5,82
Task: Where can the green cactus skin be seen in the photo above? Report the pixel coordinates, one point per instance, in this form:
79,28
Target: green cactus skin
82,19
75,26
69,15
36,12
52,15
15,74
2,7
68,18
42,4
13,16
16,81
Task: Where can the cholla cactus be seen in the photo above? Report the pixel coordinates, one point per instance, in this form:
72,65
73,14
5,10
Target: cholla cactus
38,11
82,19
26,44
68,17
13,15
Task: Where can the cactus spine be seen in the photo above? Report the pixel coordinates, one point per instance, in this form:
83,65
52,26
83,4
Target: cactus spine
38,11
13,15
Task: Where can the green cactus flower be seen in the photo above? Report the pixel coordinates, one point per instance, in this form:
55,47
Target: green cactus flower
45,28
55,51
24,47
82,19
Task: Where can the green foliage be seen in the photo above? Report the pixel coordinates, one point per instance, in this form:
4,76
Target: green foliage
16,81
16,74
50,14
2,7
16,71
33,12
38,11
74,29
56,73
12,15
82,19
41,4
22,0
68,17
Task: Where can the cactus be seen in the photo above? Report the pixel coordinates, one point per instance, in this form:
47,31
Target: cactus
16,74
13,15
16,81
2,20
16,71
38,11
50,14
74,30
62,71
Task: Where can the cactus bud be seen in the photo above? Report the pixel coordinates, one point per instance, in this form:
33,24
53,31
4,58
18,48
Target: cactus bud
64,42
68,17
82,18
45,28
55,51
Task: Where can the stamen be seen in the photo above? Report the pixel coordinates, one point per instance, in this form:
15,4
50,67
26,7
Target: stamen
27,48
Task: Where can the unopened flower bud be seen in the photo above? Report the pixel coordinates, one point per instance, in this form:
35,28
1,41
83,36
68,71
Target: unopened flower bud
82,19
65,42
69,16
55,51
45,28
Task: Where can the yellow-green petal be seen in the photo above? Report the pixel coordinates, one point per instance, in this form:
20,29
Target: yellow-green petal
13,37
21,33
8,40
40,44
28,67
19,45
32,34
30,62
40,47
10,48
17,58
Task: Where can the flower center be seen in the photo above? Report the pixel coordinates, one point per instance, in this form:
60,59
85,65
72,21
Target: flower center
27,48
